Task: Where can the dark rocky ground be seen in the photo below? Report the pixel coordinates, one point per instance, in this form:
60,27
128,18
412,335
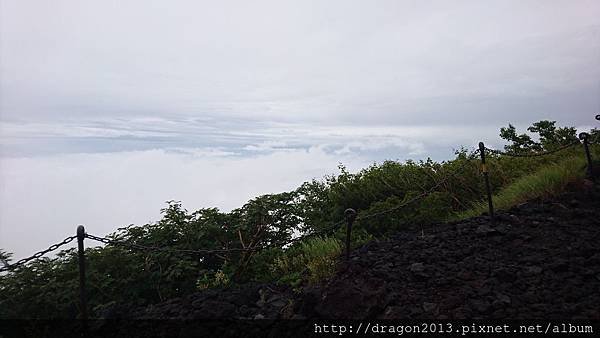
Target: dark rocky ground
539,260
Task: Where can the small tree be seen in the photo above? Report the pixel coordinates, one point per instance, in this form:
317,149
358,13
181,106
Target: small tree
520,143
550,137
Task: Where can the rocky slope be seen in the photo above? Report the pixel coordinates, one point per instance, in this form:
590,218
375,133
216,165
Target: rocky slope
540,259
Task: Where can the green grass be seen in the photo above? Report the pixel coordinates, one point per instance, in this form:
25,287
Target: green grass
547,181
321,257
316,256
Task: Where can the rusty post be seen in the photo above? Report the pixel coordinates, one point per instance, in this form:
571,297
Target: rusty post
487,180
81,255
350,217
584,137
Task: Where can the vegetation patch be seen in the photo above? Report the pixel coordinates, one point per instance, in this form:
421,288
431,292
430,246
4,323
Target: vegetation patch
313,260
548,181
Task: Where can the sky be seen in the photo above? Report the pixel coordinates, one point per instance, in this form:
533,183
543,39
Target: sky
110,108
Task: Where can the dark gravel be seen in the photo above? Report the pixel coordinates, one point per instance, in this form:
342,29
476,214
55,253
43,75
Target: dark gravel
540,260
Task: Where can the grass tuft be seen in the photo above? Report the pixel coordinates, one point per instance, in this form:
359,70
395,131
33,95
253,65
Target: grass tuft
316,256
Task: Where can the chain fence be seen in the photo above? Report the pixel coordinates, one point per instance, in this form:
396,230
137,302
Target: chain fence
22,262
328,230
134,246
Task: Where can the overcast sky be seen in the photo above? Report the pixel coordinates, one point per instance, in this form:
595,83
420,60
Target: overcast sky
110,108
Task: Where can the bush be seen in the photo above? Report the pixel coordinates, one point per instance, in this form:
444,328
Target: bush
212,280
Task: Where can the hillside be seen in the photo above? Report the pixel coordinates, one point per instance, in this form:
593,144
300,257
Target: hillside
539,259
418,251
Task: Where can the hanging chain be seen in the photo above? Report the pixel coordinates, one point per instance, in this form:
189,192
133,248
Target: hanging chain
163,248
39,254
424,194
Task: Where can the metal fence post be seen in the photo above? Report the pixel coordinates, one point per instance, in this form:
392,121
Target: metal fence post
487,179
81,255
585,138
350,217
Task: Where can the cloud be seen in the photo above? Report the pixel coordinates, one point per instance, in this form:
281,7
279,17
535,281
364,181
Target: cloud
230,138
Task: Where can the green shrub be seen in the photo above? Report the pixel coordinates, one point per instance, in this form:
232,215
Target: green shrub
213,280
321,257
